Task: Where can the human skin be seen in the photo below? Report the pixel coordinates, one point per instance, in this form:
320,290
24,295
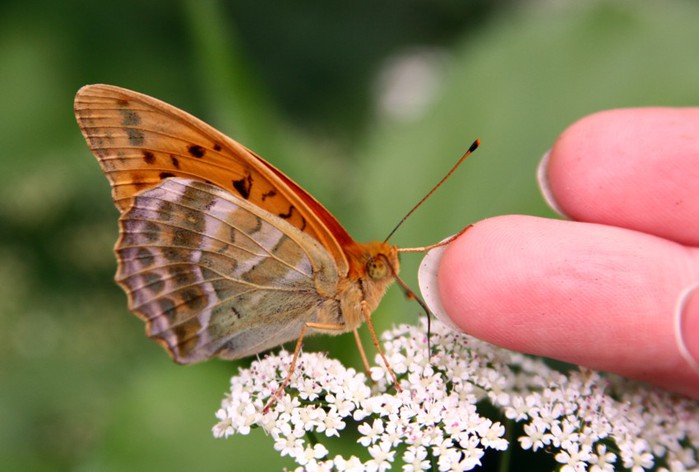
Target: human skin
609,287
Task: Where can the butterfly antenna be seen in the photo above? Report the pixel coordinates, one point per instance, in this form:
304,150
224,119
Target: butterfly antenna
472,148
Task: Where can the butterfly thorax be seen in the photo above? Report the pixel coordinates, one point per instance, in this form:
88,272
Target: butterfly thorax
373,267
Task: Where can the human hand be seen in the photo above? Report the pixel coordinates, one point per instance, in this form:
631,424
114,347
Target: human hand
616,288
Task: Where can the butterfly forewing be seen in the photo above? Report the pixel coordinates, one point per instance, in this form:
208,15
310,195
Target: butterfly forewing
140,141
213,275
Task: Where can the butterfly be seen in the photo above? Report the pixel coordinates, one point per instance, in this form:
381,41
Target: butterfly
219,252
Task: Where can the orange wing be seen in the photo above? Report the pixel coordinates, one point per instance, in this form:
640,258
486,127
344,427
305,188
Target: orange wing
140,141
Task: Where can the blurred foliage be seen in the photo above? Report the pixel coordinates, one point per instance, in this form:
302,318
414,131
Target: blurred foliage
300,82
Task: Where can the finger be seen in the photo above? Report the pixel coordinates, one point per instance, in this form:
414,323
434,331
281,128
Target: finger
589,294
636,168
687,326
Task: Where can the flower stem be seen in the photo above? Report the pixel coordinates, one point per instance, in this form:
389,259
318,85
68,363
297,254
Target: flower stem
506,455
312,439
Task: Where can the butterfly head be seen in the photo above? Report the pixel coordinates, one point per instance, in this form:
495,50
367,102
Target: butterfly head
377,267
374,266
374,261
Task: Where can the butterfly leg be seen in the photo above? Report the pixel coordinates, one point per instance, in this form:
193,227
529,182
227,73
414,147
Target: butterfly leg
362,353
295,358
375,340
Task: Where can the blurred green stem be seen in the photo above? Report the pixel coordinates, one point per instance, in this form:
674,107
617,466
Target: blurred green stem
506,455
229,82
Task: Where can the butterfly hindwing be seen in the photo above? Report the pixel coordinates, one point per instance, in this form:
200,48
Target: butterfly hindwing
213,275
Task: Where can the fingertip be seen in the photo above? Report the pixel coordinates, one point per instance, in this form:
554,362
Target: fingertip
542,177
485,279
631,168
428,281
555,288
687,326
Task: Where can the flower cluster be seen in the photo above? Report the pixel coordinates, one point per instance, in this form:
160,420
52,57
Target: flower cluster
437,420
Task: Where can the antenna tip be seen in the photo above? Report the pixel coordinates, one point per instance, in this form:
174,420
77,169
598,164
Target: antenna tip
475,145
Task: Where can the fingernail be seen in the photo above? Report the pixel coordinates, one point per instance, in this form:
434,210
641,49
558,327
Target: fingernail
429,285
687,326
542,176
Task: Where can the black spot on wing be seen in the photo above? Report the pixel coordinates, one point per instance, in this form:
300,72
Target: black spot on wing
130,118
288,214
175,161
145,257
196,151
148,157
243,186
153,282
167,306
135,136
183,275
194,298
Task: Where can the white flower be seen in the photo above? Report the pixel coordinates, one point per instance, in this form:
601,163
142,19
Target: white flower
394,433
492,437
457,461
520,407
450,407
370,434
314,465
562,434
382,456
353,464
415,459
536,435
443,447
331,423
224,427
602,461
287,404
308,454
574,458
289,446
635,455
472,454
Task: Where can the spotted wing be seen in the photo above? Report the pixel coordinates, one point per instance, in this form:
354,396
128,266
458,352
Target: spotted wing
213,275
140,141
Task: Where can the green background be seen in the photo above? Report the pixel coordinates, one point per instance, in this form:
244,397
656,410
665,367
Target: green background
81,388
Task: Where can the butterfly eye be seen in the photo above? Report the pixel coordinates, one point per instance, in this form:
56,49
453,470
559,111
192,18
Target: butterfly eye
376,268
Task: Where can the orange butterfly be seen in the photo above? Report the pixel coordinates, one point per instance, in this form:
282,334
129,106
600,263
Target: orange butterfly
220,253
